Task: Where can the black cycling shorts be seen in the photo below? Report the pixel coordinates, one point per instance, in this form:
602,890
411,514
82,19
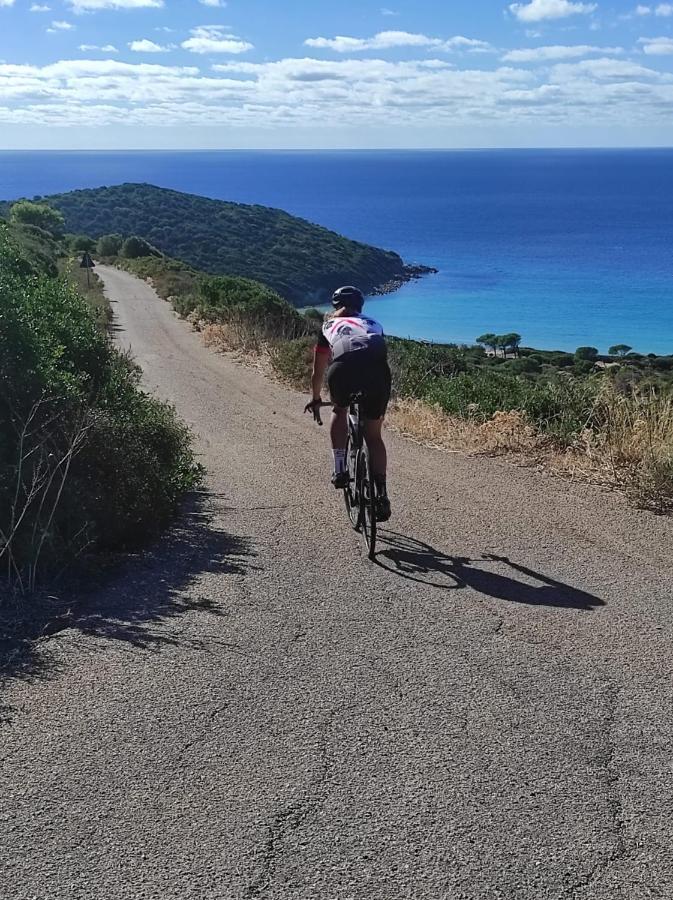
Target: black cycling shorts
361,370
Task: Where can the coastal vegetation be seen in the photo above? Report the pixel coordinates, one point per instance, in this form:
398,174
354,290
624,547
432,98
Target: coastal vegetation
605,418
87,460
301,261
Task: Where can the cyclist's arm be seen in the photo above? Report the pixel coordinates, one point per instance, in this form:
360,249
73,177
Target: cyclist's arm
321,358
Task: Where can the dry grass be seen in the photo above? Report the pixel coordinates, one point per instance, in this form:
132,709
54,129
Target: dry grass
226,337
629,447
505,433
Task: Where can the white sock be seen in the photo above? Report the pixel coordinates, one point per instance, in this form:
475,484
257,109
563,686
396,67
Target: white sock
339,461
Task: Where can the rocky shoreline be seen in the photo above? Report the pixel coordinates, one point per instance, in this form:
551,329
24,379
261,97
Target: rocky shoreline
408,273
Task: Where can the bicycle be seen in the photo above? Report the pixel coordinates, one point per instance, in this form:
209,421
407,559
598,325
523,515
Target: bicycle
360,494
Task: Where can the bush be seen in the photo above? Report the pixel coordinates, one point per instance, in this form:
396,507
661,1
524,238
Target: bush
86,459
525,365
39,215
293,360
135,247
80,243
109,245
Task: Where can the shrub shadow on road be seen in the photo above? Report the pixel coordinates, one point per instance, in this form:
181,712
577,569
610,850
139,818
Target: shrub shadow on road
420,562
131,599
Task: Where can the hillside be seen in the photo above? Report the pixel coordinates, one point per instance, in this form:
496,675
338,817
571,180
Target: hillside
303,262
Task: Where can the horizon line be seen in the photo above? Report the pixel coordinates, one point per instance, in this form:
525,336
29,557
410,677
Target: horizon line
333,149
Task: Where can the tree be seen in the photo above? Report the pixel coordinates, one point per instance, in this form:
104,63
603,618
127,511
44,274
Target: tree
586,354
512,342
135,247
502,342
81,242
489,340
109,244
39,215
619,350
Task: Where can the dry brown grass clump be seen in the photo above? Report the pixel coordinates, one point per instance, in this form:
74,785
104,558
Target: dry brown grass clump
631,446
504,433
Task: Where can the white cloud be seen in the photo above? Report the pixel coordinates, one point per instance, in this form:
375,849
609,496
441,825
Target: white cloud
106,48
387,40
219,4
6,2
642,10
358,93
146,46
215,39
60,25
89,5
539,10
664,9
658,46
385,11
607,70
543,54
39,7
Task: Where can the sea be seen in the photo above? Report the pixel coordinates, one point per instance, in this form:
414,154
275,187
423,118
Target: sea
567,247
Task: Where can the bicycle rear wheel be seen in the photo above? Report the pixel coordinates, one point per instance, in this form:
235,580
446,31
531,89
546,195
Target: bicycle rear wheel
367,505
351,493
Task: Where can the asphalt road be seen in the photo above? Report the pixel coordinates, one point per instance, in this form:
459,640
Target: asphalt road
255,710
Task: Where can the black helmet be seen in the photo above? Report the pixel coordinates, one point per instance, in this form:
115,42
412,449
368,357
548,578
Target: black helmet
349,296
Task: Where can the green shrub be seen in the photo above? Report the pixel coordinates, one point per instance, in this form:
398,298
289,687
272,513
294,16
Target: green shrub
524,365
86,459
109,244
24,212
79,243
135,247
293,360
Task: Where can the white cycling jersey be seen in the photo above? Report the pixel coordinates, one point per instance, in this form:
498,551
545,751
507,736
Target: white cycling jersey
343,334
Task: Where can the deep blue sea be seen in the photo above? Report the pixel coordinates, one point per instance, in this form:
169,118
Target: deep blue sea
566,247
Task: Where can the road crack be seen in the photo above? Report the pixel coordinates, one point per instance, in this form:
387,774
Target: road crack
291,817
611,777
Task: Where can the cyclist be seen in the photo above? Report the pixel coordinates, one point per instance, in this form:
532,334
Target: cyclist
353,346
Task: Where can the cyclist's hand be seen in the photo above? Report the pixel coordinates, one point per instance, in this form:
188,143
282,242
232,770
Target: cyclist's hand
314,407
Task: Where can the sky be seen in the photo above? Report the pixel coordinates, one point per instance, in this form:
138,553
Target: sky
305,74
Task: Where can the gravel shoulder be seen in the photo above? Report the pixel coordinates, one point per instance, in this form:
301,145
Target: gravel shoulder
252,709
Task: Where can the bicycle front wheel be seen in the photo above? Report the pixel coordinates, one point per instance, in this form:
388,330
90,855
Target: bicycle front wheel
367,505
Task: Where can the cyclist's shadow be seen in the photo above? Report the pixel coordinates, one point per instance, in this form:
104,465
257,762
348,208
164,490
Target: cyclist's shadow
417,561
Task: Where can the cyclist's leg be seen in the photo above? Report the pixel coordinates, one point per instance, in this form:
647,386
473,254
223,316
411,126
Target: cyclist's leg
375,405
338,429
338,383
378,455
377,396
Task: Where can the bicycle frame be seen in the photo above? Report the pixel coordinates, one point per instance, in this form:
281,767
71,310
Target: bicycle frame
359,496
359,499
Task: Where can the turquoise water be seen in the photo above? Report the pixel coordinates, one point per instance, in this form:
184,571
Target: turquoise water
566,247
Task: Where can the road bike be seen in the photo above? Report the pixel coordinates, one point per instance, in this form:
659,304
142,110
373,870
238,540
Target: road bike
360,494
